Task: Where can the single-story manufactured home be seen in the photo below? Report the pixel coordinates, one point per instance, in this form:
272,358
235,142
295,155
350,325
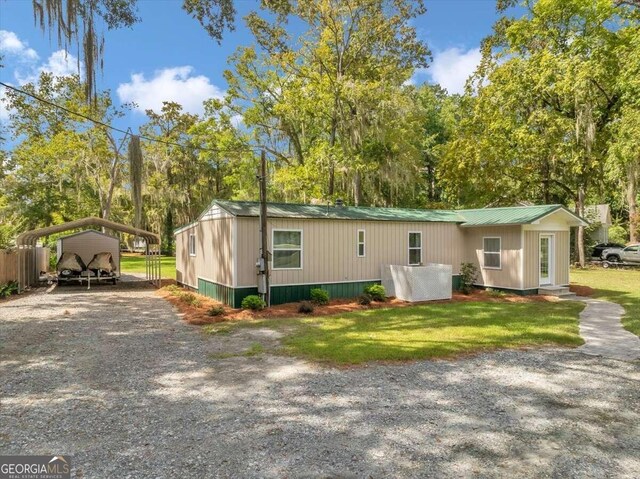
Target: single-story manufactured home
343,249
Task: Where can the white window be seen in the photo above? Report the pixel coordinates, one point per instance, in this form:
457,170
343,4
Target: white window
492,252
415,248
287,249
361,248
192,245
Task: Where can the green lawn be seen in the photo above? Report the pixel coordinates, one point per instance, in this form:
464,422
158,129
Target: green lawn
426,331
621,286
136,264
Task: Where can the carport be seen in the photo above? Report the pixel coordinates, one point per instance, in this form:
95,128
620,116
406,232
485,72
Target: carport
26,248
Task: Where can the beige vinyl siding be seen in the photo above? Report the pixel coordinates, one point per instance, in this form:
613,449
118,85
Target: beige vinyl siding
509,274
214,252
330,249
185,264
563,257
88,243
532,257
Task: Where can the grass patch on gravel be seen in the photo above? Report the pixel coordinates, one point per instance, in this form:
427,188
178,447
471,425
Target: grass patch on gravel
621,286
426,331
254,350
219,328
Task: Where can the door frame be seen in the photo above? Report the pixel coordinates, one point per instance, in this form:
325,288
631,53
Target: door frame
551,258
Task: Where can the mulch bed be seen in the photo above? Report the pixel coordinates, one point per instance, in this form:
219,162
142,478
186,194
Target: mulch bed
198,315
581,290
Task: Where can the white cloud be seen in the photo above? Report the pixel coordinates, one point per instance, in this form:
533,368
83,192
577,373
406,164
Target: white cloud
169,84
451,68
26,65
59,63
4,113
10,44
237,120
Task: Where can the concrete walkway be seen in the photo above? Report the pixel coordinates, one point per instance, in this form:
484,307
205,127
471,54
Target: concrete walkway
602,331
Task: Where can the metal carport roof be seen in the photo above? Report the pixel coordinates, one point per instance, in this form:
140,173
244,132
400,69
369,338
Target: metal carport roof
28,238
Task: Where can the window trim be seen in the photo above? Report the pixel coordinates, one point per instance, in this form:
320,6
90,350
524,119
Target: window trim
192,251
273,248
363,243
409,248
499,252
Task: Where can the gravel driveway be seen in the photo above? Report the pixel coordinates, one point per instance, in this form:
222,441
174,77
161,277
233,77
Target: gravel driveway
113,378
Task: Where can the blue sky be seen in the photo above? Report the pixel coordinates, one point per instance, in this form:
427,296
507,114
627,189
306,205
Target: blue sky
168,56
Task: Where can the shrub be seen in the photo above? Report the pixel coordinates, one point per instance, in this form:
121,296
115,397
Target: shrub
376,292
364,299
173,288
190,299
216,311
495,293
617,234
53,260
305,307
468,274
319,296
253,302
8,289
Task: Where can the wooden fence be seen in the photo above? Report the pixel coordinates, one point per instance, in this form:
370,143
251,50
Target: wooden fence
8,266
9,263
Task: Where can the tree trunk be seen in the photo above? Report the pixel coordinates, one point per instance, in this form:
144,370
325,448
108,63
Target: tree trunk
580,208
168,231
112,185
113,173
357,188
632,200
332,142
332,179
545,183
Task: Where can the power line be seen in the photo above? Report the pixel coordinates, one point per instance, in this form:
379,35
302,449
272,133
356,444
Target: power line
105,125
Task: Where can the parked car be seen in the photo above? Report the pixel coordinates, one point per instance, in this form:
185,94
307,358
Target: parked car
628,254
599,248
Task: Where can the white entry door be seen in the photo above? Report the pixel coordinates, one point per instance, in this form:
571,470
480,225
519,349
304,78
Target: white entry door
546,260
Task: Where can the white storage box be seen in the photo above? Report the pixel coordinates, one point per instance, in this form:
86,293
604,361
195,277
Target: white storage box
418,283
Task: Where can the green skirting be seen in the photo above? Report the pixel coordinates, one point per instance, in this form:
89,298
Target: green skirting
287,294
300,292
225,294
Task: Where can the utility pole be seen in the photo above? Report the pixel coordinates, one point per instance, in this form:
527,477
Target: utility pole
263,261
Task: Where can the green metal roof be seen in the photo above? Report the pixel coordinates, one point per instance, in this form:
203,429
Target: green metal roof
514,215
291,210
